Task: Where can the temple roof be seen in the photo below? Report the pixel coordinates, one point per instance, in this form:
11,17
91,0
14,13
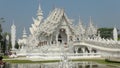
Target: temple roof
37,21
91,29
80,29
52,21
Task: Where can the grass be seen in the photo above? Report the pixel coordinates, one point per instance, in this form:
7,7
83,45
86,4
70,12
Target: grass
101,61
29,61
5,57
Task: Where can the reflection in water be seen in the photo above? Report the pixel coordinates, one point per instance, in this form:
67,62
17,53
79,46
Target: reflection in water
56,65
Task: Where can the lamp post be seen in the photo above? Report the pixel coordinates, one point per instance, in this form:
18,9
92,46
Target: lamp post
7,43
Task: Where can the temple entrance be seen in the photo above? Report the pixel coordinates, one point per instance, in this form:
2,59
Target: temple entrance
62,36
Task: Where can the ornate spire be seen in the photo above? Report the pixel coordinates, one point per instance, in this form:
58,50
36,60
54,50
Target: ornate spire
79,28
115,34
80,23
40,13
24,33
91,23
13,35
13,25
91,30
37,21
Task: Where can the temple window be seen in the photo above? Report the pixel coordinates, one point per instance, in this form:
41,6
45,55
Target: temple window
71,39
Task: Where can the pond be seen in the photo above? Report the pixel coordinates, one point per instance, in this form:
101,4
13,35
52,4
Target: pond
58,65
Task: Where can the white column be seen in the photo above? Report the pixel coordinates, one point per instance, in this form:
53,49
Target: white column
51,39
67,38
90,50
115,34
90,65
76,50
7,43
83,49
13,35
57,39
83,65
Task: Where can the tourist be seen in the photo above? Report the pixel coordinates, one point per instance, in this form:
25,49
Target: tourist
1,62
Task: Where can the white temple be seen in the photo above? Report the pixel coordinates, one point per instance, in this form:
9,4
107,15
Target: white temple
49,36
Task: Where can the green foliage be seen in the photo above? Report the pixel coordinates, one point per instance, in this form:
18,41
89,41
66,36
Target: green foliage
118,36
0,29
1,37
106,32
1,21
16,45
5,57
5,34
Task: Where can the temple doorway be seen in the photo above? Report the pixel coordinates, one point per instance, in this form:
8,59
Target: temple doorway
62,36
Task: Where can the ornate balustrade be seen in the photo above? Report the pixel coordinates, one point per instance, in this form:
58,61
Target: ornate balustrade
106,45
61,54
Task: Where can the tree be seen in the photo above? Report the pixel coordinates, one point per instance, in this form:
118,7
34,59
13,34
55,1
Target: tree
106,32
118,36
16,45
6,45
1,37
1,21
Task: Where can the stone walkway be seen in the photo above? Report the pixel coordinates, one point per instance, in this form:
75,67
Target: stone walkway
114,59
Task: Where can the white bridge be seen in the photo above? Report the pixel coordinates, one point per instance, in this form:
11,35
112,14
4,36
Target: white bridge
79,49
105,48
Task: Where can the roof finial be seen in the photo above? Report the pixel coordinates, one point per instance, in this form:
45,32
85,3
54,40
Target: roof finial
54,6
90,19
39,12
79,19
39,8
80,22
24,33
13,23
91,23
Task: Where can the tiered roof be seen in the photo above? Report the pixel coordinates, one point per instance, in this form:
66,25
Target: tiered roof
37,21
80,29
52,22
91,30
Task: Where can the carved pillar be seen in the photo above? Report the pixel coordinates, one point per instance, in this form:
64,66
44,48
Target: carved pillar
51,39
86,53
83,65
90,50
83,49
67,38
91,65
76,50
57,39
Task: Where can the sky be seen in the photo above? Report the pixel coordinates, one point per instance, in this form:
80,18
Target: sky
104,13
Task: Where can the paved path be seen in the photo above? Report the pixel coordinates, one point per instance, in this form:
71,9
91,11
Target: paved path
116,59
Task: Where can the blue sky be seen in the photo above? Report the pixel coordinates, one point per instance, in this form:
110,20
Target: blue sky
105,13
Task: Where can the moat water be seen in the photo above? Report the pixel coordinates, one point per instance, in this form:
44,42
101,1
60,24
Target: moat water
58,65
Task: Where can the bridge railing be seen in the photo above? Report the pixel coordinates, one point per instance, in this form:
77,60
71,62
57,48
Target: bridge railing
117,46
68,54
